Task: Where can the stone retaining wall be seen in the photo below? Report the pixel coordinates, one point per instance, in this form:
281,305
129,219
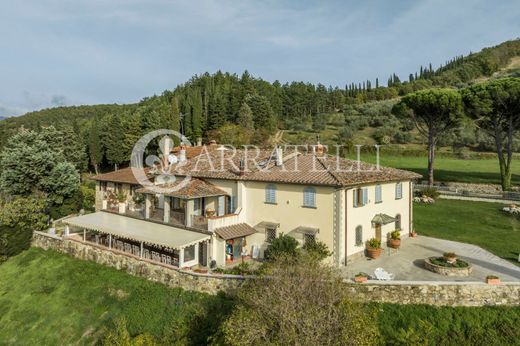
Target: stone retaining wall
398,292
163,273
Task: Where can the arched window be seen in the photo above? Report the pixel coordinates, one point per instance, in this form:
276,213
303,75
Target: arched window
359,235
398,221
309,197
270,194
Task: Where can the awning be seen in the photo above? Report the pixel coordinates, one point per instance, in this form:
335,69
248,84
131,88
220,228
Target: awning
235,231
306,230
268,224
382,219
138,230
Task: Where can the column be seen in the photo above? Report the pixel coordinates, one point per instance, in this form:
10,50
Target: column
147,205
166,215
84,234
340,227
110,241
142,250
181,258
188,212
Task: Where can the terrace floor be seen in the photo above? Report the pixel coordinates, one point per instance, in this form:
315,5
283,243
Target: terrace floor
407,263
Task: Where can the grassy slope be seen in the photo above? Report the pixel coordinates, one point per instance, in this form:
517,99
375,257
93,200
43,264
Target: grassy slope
479,223
47,298
449,169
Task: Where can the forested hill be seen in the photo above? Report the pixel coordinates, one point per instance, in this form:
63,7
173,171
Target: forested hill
209,102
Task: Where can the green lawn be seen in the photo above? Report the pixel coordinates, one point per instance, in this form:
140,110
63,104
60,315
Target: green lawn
479,223
450,169
47,298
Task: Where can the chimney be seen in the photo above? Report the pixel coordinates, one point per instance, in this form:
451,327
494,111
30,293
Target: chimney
182,153
213,142
320,149
199,142
279,156
242,168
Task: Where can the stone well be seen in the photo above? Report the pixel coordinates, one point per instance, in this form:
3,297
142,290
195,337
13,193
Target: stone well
448,271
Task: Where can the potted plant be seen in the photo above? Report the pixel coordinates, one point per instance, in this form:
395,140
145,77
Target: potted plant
450,257
413,233
210,212
361,277
121,198
492,280
395,239
374,248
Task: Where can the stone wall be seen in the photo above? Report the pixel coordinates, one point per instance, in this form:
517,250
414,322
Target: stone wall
165,274
399,292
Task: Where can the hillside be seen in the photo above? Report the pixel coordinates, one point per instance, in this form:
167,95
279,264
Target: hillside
208,103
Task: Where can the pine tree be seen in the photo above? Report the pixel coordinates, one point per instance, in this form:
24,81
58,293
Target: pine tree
95,149
245,117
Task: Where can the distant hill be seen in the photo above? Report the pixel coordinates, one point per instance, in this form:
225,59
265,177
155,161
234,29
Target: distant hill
209,101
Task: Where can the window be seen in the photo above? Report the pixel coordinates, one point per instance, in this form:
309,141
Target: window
189,253
398,221
309,238
379,194
270,194
103,186
309,197
398,190
231,201
270,234
360,197
359,235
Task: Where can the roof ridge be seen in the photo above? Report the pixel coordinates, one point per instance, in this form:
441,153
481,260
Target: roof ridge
336,178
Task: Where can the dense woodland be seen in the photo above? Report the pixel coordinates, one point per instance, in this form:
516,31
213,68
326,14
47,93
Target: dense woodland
244,108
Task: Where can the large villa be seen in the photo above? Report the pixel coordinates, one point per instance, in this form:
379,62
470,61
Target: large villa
220,207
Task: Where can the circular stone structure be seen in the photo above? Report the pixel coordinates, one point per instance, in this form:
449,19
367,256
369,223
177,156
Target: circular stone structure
448,271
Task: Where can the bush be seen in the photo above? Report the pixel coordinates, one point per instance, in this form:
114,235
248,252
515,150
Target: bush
317,249
13,240
429,192
395,235
283,246
302,303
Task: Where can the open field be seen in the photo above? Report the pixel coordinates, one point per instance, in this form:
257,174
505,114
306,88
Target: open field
478,171
47,298
479,223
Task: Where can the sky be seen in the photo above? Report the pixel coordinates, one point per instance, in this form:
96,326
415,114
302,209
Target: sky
59,52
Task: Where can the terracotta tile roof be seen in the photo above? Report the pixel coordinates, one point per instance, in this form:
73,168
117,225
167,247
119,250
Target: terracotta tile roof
123,175
235,231
190,151
194,188
298,168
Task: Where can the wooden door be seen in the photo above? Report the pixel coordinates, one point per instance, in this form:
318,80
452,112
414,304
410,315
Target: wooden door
378,231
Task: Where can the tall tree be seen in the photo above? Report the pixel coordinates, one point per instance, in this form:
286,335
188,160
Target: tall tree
434,113
95,148
495,107
245,117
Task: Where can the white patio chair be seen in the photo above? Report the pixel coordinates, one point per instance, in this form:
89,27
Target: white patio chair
382,274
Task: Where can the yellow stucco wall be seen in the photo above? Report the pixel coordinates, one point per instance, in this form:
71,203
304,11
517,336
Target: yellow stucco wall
363,215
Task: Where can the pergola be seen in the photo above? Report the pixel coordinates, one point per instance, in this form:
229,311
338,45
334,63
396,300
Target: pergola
143,232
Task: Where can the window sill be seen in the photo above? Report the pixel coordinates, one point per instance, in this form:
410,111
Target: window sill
378,202
398,198
310,206
272,203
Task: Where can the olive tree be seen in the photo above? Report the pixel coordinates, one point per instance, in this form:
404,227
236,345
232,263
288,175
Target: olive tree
495,107
434,112
298,302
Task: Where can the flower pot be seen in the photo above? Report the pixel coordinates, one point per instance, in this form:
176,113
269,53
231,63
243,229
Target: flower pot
413,234
374,253
394,243
360,279
492,281
210,212
122,208
450,260
104,204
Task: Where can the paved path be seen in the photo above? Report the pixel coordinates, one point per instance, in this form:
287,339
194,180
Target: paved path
407,263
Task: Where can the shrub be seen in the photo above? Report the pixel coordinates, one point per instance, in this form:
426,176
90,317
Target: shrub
374,243
13,240
429,192
302,303
283,246
317,249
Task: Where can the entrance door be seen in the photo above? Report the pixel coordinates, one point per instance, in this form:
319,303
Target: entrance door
378,231
203,253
